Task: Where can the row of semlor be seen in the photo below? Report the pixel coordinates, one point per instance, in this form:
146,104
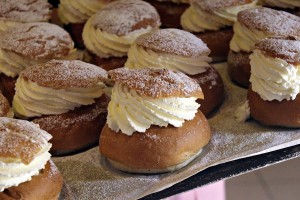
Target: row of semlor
148,118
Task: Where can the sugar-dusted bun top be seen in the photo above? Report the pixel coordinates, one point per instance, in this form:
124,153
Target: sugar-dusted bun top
124,16
286,48
157,83
60,74
4,106
39,40
25,10
174,41
215,5
270,21
21,141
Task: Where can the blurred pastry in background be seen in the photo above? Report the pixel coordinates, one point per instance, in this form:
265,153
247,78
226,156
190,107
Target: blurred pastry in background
212,21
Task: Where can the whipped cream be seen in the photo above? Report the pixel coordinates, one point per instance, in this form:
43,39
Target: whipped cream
107,45
274,78
78,11
139,57
244,39
130,112
194,19
32,100
11,64
15,172
242,113
5,24
281,3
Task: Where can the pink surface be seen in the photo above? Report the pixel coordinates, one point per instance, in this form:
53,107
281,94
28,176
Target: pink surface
215,191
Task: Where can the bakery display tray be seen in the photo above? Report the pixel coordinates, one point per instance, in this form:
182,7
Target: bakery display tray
87,175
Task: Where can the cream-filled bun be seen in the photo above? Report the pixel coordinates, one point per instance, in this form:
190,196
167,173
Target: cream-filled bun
212,20
275,82
110,32
33,43
153,122
67,99
78,11
5,109
252,26
180,51
15,12
25,165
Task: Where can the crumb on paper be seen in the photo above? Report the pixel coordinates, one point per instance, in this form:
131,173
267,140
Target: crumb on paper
242,113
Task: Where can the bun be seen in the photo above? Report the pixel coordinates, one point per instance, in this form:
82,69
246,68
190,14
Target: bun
159,149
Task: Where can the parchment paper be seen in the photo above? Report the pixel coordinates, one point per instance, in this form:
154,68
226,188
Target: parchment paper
88,176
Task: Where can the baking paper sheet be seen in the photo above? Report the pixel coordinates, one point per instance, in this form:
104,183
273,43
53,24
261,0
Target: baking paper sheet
88,176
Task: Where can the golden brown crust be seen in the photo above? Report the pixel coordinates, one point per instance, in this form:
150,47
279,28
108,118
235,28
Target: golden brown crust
173,41
169,12
125,16
108,63
213,89
59,74
77,129
158,147
274,113
39,40
25,10
46,185
215,5
20,140
218,43
157,83
4,106
286,48
239,68
270,21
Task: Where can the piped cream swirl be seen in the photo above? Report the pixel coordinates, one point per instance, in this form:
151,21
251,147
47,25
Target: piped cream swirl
107,45
78,11
16,172
274,78
5,24
11,64
32,100
130,112
139,57
194,19
244,39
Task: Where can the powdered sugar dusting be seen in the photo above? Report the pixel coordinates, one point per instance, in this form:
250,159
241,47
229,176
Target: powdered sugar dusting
287,48
59,74
4,106
20,140
271,21
124,16
157,83
25,10
88,176
174,41
38,40
215,5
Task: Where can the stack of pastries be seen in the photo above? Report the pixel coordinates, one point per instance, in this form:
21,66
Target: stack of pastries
142,93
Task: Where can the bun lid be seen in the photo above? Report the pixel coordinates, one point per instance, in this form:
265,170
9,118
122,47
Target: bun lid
157,83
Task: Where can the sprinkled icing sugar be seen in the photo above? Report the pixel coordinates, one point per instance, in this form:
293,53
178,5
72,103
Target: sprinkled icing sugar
271,21
20,140
4,106
285,48
25,10
215,5
38,40
65,74
174,41
157,83
124,16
